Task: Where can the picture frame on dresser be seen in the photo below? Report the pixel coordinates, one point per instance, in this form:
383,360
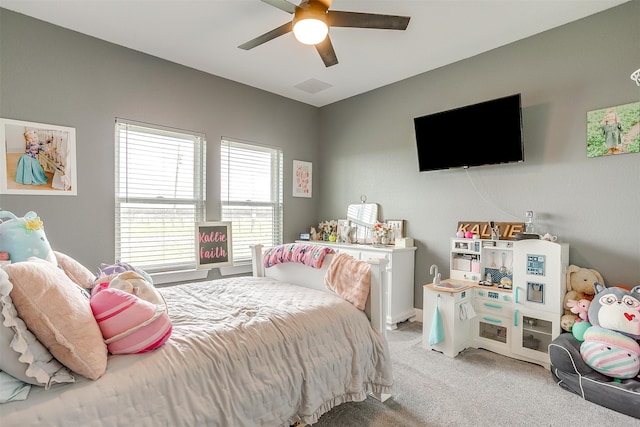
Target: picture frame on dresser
397,225
38,158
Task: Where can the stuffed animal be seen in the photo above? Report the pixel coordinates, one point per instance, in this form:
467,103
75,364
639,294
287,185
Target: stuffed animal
617,309
581,308
109,271
610,345
610,353
579,287
314,234
132,283
129,324
24,237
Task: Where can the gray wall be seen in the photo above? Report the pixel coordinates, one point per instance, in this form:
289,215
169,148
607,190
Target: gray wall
363,145
592,204
52,75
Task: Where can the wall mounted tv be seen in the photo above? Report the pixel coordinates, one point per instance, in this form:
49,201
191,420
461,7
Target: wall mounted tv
486,133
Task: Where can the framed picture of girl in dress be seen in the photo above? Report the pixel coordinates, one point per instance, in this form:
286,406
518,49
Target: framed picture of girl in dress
37,158
613,130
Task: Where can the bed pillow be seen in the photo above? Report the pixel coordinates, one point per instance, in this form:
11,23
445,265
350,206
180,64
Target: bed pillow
130,324
109,271
133,283
310,255
21,354
57,311
77,272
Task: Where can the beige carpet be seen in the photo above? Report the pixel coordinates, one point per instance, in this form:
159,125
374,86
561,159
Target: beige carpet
477,388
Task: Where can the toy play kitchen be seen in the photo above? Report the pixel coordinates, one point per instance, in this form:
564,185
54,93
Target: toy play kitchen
502,295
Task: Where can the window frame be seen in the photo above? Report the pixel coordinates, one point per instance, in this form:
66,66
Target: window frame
241,246
125,128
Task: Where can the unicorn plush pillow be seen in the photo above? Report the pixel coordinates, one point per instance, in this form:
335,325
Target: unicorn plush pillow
24,237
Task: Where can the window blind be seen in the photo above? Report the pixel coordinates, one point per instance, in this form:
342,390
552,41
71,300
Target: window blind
160,195
251,195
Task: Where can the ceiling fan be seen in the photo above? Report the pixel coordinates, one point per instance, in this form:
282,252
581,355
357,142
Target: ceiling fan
316,13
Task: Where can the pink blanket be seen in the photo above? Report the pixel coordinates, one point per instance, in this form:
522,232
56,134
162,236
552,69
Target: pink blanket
350,278
311,255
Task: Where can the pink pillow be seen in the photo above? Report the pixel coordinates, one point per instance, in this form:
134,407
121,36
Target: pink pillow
130,324
74,270
57,311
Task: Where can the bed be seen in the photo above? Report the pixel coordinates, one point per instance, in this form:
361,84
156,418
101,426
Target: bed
274,349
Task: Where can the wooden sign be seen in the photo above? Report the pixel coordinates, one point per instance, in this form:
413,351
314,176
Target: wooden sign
213,243
508,230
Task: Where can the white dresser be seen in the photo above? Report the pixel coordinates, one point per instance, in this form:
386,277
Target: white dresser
400,282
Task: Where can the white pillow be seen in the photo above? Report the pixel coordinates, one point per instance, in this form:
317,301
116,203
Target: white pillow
21,354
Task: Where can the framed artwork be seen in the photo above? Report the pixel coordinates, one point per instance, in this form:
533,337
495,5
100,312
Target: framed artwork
344,231
213,243
37,158
397,225
613,130
302,178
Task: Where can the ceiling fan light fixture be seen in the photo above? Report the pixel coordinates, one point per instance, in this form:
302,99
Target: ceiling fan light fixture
310,24
310,31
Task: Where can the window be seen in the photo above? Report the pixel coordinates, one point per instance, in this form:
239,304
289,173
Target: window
251,195
160,195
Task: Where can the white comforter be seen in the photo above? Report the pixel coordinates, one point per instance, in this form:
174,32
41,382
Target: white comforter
244,351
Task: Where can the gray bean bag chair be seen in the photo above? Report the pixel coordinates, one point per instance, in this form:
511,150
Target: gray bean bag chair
571,373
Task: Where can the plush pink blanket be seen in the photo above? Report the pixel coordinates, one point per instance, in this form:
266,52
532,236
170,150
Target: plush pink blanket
350,278
311,255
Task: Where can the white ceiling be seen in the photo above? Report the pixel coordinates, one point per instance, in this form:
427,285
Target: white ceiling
205,34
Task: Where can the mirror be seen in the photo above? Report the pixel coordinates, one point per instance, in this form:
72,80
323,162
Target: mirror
362,217
365,214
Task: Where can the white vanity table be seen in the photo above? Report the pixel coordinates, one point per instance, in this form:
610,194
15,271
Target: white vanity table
401,269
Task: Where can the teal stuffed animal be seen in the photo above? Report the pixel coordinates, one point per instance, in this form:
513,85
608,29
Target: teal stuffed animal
24,237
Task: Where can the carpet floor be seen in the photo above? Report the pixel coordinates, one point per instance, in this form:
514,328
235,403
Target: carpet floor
476,388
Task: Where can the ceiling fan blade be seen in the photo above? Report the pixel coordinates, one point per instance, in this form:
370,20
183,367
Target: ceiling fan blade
277,32
328,55
367,20
282,5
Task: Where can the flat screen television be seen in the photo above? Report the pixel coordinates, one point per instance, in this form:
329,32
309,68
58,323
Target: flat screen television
486,133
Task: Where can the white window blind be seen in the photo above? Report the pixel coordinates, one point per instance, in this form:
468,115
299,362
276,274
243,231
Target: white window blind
160,195
251,195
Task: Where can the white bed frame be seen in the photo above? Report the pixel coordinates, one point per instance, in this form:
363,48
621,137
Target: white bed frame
300,274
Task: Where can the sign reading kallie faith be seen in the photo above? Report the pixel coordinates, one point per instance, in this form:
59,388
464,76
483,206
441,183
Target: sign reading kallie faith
508,230
213,243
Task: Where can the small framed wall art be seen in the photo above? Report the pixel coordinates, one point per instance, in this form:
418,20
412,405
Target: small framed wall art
613,130
302,178
37,158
